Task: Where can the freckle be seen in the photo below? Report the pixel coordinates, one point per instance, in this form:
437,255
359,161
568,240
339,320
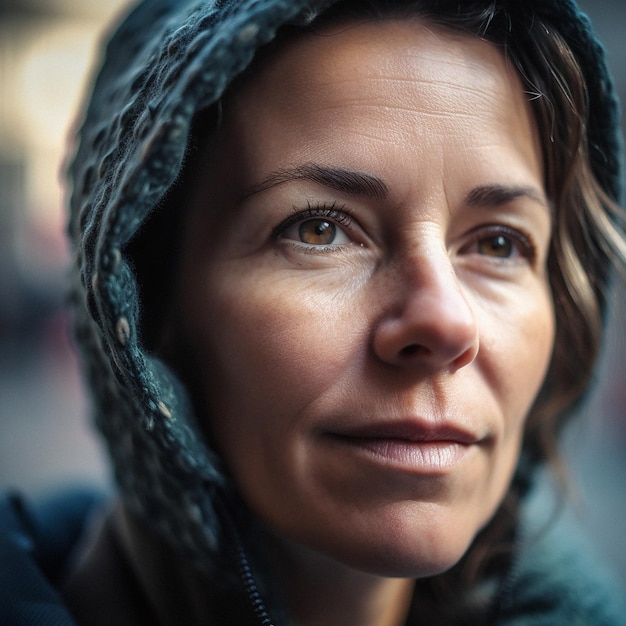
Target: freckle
122,330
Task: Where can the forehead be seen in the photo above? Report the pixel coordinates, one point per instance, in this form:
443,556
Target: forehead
404,84
377,55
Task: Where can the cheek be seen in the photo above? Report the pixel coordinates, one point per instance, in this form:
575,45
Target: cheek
272,358
519,346
516,347
256,340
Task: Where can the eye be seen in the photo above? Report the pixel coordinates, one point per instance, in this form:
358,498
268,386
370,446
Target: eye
499,246
501,243
316,232
316,226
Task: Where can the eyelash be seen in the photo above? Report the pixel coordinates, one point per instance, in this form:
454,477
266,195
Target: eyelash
339,214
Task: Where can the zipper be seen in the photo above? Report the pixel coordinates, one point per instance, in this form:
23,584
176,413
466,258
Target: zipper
247,578
245,572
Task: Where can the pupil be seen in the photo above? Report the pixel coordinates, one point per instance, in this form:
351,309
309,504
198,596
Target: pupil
317,232
501,246
498,245
321,228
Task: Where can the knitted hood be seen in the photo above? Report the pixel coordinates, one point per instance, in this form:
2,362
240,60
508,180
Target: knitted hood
168,60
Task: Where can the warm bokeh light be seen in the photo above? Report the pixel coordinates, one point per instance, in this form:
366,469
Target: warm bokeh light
51,65
49,78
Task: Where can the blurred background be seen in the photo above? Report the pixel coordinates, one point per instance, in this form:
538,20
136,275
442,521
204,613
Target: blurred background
47,50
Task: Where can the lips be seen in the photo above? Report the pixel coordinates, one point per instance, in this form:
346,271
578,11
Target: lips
411,431
413,446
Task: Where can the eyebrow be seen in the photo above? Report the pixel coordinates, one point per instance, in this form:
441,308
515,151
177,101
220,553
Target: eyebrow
497,195
357,184
363,185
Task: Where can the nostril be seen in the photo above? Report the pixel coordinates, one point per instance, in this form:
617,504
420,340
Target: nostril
427,331
412,350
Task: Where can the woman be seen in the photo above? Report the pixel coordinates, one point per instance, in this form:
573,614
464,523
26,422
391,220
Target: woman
335,303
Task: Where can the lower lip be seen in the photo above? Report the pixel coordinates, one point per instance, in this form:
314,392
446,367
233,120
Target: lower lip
424,457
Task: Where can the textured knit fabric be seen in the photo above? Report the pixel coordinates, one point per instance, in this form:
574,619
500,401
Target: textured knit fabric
168,60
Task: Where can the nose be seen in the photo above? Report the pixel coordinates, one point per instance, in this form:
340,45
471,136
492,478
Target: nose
428,321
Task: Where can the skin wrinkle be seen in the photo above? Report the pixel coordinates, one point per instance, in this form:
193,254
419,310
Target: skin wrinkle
443,106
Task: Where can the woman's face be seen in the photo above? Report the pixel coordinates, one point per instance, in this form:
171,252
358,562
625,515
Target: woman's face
365,290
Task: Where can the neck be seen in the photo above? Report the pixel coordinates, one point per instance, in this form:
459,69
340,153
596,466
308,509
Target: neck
319,591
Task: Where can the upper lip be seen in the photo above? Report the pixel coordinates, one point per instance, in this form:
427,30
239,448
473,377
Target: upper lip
412,430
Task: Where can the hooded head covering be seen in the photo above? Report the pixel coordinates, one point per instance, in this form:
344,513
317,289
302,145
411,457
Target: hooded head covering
168,60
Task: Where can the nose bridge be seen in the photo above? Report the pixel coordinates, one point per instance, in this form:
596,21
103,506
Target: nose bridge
428,277
429,320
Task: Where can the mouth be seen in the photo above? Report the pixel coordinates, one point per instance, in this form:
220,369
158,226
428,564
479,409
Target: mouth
414,446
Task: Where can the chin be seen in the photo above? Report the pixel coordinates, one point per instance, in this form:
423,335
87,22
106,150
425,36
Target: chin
406,563
401,551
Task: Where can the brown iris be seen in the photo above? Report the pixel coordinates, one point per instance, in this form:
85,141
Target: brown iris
498,246
317,232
